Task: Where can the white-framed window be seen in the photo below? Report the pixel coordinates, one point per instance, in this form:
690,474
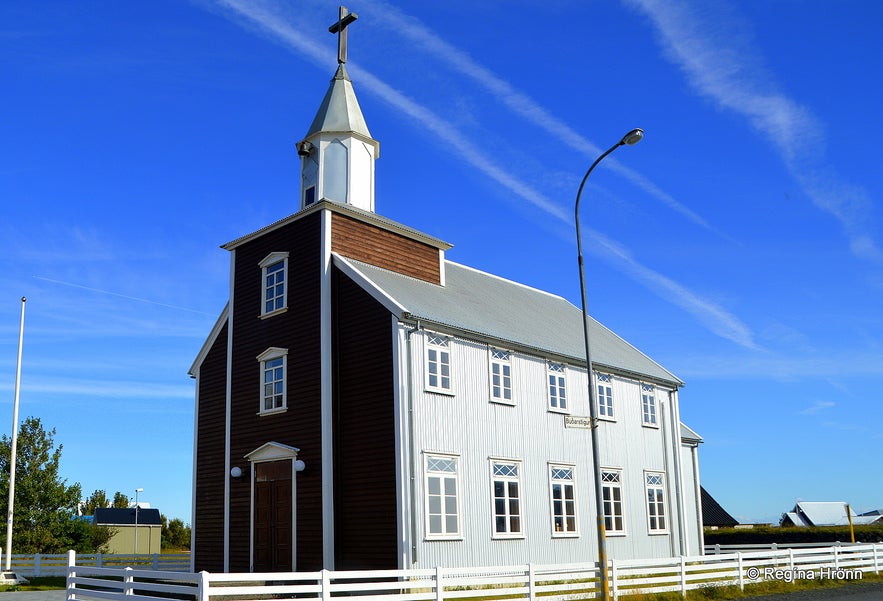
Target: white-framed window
648,405
656,517
274,274
442,482
562,495
611,493
605,396
506,485
274,387
438,363
501,375
557,387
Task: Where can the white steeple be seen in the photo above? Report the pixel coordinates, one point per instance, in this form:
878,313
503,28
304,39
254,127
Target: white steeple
338,152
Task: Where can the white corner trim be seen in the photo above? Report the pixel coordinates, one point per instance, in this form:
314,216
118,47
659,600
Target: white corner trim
326,396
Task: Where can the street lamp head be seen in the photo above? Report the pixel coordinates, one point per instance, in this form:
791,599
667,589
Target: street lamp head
633,137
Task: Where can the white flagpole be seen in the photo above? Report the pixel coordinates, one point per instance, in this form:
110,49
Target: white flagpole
13,448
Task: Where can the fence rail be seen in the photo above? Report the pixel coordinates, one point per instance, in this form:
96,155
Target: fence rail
549,582
718,549
57,564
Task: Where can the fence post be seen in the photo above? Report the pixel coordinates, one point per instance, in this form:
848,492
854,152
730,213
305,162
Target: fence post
531,582
876,563
439,586
128,582
683,577
99,562
155,561
37,563
326,585
71,574
741,565
791,559
202,587
717,549
837,557
614,576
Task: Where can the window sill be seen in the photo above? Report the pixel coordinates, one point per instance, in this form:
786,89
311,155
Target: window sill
502,402
436,539
604,418
560,411
565,535
272,411
519,536
272,313
658,533
651,426
440,391
616,534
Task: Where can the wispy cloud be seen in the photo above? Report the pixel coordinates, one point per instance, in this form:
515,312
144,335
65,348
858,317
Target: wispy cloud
818,407
712,316
720,62
517,101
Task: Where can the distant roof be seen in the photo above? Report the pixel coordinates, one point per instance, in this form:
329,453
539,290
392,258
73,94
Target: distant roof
478,303
111,516
830,513
712,512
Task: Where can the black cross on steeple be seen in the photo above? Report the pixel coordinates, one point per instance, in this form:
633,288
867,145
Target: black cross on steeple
345,18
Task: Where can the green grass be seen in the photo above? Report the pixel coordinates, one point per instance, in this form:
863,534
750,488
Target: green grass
43,583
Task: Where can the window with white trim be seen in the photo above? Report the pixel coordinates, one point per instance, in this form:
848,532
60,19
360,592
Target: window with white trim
611,493
274,364
562,495
655,484
442,496
506,483
605,396
501,375
438,363
274,273
557,387
648,405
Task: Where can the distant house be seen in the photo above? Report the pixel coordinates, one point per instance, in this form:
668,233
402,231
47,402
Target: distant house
833,513
713,515
149,529
877,512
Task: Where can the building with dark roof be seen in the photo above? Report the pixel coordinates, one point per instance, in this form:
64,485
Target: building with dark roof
713,514
364,403
125,523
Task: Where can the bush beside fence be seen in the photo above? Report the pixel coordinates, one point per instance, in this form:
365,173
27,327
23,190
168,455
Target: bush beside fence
549,582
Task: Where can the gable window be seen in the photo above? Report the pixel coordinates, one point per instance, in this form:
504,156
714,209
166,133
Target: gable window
557,387
655,502
507,501
442,497
274,270
563,498
648,405
501,376
438,363
605,396
611,493
274,363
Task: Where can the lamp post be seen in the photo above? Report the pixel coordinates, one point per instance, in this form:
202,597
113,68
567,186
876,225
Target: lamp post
631,138
135,550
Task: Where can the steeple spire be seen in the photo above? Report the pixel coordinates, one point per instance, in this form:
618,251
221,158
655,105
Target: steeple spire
338,152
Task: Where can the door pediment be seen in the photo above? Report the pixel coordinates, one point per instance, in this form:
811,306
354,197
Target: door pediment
273,451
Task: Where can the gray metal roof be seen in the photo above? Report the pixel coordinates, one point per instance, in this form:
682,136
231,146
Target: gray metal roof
689,434
340,111
833,513
475,302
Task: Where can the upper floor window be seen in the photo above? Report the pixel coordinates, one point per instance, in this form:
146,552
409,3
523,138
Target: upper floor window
655,502
442,496
557,387
274,270
501,376
274,364
563,498
507,497
438,363
605,396
611,493
648,405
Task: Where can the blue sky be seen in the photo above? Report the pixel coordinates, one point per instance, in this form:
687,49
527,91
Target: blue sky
740,244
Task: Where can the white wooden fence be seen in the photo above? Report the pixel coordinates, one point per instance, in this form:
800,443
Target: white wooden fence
718,549
551,582
43,564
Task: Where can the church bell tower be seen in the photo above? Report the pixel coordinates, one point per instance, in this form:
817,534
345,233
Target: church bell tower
338,152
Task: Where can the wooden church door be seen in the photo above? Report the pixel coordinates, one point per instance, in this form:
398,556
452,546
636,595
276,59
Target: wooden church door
273,548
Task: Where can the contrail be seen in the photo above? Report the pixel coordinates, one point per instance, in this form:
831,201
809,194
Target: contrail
132,298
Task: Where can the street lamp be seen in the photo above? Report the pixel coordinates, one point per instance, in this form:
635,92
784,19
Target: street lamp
630,139
135,550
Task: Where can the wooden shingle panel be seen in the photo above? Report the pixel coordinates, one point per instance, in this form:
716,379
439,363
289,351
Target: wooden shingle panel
366,242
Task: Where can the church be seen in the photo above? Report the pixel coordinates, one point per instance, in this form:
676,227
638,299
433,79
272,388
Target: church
362,402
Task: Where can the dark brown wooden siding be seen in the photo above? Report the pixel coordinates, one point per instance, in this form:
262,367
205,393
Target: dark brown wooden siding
371,244
297,330
208,519
364,430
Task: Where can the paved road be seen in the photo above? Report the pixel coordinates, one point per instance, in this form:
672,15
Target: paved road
54,595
